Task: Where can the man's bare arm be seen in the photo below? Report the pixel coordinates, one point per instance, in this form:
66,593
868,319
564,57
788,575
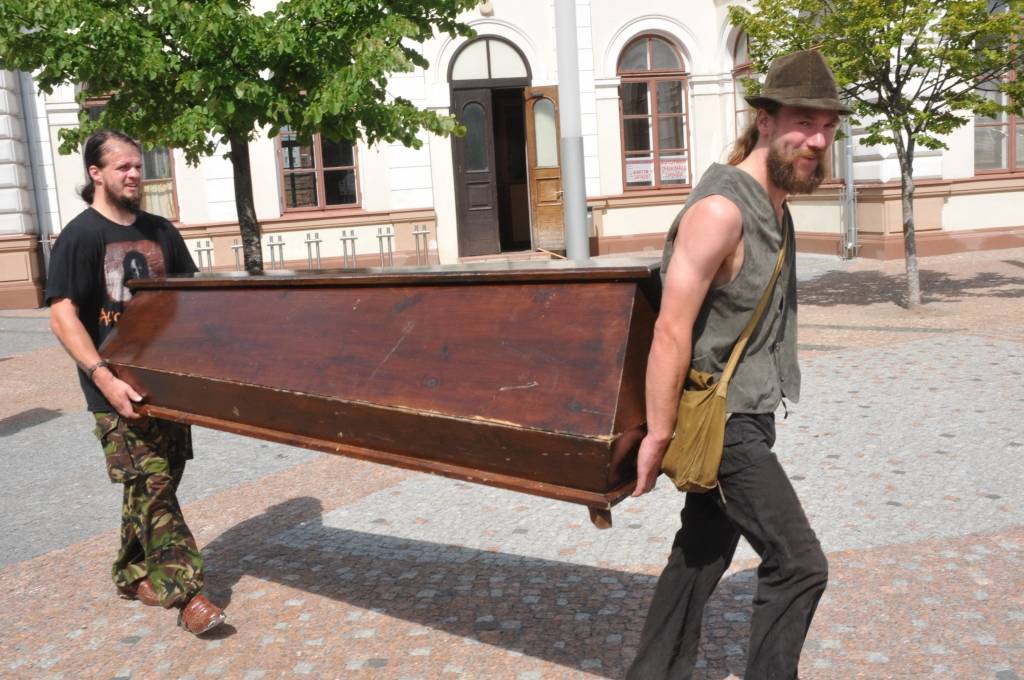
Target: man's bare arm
65,324
708,236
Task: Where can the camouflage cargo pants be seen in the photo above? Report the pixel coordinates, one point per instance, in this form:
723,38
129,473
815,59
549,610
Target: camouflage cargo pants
148,457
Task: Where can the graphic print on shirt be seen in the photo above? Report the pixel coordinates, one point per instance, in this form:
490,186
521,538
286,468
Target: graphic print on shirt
126,261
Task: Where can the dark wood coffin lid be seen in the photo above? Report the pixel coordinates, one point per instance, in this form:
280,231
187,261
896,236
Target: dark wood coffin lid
618,269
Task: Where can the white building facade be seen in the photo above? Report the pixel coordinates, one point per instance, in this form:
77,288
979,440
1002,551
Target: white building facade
658,87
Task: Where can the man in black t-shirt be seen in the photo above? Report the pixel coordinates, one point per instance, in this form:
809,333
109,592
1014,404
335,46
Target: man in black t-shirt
109,244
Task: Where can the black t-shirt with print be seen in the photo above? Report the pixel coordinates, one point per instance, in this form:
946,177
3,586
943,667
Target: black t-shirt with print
95,258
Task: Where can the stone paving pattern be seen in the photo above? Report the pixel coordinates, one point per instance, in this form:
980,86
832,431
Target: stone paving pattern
905,451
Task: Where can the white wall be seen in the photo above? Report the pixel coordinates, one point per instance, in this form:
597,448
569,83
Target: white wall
821,216
646,220
374,177
190,185
610,138
958,159
69,174
266,187
983,211
442,172
408,170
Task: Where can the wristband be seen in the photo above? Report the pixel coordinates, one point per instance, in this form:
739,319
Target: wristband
92,369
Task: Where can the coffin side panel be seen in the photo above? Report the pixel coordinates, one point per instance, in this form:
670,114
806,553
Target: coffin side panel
333,425
546,356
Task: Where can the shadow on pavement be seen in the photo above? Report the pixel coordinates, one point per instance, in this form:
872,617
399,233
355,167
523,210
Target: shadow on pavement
26,419
871,287
559,612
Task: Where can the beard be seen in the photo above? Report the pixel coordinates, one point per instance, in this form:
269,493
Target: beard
130,203
783,174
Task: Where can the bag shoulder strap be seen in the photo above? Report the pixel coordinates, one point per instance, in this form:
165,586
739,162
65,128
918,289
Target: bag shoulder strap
741,343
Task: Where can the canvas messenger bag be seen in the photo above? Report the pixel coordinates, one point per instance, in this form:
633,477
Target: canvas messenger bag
695,452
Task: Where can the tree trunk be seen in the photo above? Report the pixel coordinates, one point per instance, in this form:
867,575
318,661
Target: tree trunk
906,158
252,252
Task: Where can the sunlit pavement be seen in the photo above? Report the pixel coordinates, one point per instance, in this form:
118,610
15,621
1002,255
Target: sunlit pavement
905,449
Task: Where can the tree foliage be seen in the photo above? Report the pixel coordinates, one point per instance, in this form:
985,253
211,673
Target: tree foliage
196,74
913,70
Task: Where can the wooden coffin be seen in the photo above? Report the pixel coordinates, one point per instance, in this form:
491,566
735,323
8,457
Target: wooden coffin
527,376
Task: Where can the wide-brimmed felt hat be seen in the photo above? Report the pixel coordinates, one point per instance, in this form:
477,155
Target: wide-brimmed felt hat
800,79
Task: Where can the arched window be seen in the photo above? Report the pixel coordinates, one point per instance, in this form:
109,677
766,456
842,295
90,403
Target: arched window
741,70
488,59
545,133
653,111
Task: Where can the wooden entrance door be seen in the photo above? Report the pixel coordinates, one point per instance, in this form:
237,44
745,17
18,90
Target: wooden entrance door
544,167
476,189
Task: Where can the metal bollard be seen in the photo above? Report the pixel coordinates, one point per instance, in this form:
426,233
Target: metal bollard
311,245
348,242
273,252
208,250
421,231
236,249
276,258
386,233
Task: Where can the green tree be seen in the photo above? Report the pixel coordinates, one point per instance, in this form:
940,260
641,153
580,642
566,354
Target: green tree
911,69
198,74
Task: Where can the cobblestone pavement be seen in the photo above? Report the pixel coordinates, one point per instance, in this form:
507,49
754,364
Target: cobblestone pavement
905,451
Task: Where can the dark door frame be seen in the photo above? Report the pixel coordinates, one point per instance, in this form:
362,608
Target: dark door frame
478,84
476,187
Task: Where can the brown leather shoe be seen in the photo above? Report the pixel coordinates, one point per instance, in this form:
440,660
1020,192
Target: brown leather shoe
141,590
200,615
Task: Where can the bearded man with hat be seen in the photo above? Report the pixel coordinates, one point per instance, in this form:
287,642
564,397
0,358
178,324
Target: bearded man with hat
720,254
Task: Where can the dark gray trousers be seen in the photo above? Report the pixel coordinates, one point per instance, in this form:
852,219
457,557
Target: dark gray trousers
762,507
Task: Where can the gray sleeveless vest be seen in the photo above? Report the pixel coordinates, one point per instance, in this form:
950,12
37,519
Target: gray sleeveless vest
768,370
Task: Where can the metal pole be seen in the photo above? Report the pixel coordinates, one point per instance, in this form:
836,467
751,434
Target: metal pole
204,264
236,247
280,251
276,252
850,204
421,231
348,238
313,250
574,196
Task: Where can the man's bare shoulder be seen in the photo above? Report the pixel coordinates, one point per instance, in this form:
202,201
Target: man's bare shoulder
714,211
711,226
709,233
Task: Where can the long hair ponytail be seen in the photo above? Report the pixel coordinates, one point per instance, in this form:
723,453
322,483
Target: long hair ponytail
746,142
